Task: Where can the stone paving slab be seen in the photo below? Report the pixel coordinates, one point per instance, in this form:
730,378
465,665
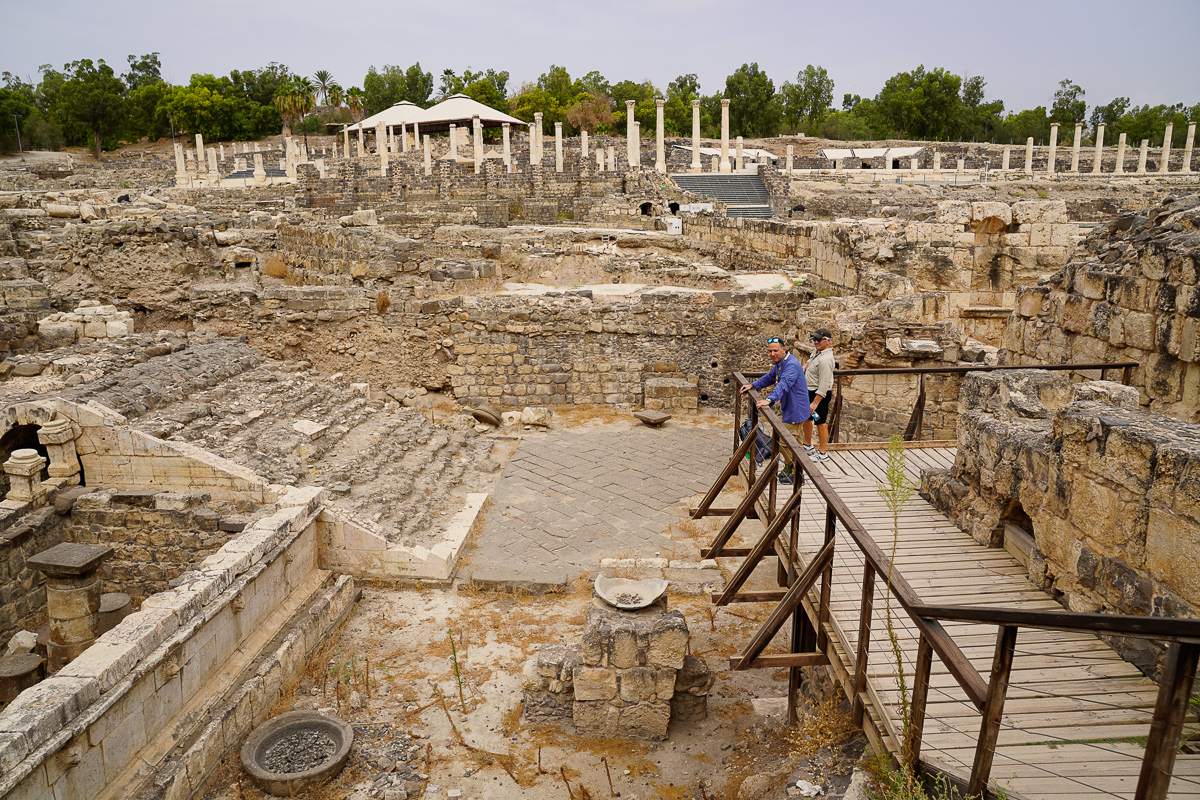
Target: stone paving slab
567,500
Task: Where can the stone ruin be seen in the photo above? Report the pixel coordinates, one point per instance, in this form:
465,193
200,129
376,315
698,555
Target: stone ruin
630,678
234,387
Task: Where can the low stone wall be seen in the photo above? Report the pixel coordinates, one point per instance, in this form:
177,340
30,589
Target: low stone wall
118,707
1108,495
23,590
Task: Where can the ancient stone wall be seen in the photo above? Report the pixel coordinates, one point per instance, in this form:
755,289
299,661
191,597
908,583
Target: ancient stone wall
1099,499
156,536
1134,295
23,590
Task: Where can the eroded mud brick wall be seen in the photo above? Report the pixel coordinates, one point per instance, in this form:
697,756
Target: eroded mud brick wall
1135,297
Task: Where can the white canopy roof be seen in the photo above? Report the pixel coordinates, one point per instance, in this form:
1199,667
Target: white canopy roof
870,152
402,112
459,109
752,153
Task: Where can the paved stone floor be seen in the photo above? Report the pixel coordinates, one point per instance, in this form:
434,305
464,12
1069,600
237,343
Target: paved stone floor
566,500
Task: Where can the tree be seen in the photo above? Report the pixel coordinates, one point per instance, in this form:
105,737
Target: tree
356,99
489,88
643,96
323,79
753,108
93,100
591,112
1017,128
260,85
677,111
1109,113
383,89
143,71
336,95
808,99
979,119
1069,106
920,104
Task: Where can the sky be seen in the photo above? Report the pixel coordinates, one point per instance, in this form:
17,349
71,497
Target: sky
1022,48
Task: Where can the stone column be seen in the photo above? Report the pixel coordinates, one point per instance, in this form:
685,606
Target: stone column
558,154
887,161
416,135
1075,149
583,146
696,137
452,153
660,155
1187,147
612,158
837,163
58,436
1141,170
1053,148
24,470
214,172
1006,158
1098,163
788,163
1120,155
507,146
535,139
738,160
1029,156
239,164
637,144
260,174
477,143
1164,167
724,136
72,597
629,132
201,168
403,137
960,165
381,146
180,165
937,160
362,142
256,147
320,162
221,150
428,156
600,159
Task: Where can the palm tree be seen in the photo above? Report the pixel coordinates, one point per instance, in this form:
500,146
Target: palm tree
357,100
335,94
324,79
303,100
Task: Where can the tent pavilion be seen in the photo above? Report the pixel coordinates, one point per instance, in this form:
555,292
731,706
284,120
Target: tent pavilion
401,113
457,109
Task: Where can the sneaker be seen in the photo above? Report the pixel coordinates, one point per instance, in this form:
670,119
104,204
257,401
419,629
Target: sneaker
821,457
810,449
785,479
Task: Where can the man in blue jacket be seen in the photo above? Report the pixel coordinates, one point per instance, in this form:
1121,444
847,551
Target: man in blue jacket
790,392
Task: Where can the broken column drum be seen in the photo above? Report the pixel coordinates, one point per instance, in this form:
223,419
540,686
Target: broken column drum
72,597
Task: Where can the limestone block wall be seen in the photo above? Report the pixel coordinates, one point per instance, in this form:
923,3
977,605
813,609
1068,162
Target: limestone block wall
87,323
156,536
209,646
1109,494
22,302
23,590
1133,295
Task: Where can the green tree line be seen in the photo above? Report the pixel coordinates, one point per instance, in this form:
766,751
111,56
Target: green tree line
88,104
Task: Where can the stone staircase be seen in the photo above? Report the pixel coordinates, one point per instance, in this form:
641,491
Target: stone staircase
743,195
385,464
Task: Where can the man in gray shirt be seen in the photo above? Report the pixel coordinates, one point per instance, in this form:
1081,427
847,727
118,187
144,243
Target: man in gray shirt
819,375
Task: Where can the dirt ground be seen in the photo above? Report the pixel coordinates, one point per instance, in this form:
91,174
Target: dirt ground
393,666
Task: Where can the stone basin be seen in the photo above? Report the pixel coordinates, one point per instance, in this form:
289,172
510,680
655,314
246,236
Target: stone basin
629,594
274,730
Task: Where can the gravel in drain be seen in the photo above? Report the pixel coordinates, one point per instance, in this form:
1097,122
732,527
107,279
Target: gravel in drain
298,752
626,598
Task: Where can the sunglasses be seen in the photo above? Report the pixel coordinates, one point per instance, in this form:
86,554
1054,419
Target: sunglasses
774,340
819,338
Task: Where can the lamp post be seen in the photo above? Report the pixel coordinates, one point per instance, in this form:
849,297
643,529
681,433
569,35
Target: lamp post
20,148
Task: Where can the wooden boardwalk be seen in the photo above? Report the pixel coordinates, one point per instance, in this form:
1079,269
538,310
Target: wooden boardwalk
1076,715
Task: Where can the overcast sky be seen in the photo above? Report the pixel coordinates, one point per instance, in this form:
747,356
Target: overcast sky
1023,48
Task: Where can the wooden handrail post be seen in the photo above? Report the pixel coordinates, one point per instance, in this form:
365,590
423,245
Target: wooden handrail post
993,710
826,584
1127,376
864,643
920,697
1174,690
835,414
737,411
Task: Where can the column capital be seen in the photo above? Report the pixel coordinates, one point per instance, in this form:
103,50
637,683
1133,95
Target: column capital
695,104
724,102
659,103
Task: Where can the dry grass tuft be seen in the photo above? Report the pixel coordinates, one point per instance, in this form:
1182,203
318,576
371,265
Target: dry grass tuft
382,303
824,726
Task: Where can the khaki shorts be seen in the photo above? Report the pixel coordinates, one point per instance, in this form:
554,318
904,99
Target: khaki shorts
797,431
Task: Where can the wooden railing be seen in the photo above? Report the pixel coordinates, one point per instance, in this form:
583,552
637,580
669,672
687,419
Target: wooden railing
914,429
810,641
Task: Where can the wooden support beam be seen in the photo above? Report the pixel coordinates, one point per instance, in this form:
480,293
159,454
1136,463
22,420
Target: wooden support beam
694,513
993,710
777,660
920,698
1174,691
760,548
728,472
787,606
731,525
769,596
